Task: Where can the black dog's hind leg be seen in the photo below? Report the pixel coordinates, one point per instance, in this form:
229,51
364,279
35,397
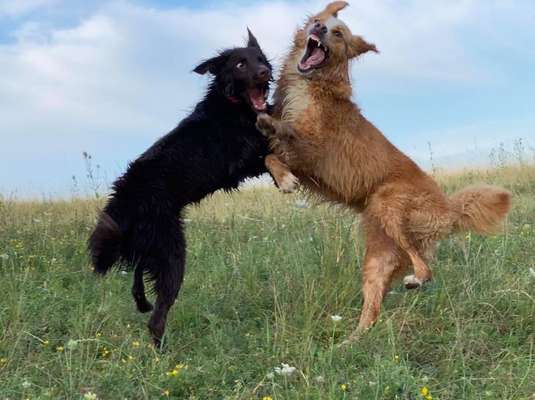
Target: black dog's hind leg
138,291
167,271
167,286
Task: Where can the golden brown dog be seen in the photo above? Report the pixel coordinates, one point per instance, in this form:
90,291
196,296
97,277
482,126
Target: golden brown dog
335,152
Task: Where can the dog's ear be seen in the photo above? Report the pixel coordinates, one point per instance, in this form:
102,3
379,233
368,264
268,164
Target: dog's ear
213,65
358,46
251,41
332,9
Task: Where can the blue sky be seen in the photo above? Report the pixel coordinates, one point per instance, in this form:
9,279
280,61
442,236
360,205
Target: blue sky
110,77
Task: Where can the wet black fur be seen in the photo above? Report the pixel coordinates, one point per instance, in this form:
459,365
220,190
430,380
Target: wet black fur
216,147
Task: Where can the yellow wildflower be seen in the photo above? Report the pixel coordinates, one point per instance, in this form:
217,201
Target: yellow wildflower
45,343
344,387
135,343
166,393
175,371
98,334
105,352
424,391
60,349
267,398
3,360
396,358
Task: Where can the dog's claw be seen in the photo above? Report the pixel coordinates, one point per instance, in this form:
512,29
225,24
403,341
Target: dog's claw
289,183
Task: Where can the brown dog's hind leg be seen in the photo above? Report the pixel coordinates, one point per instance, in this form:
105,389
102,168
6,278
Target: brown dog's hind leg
381,261
422,273
283,177
390,208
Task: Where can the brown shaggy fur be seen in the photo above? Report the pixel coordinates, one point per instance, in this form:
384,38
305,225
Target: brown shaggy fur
337,153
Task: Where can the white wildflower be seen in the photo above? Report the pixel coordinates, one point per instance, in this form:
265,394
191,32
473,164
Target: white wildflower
301,203
72,344
124,273
90,396
26,384
270,375
285,370
336,318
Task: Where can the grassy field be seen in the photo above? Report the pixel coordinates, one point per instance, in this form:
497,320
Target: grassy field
265,274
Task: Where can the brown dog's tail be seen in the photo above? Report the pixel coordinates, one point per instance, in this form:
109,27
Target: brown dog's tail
480,208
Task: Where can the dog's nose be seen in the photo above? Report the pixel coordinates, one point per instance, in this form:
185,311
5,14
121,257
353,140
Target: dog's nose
263,73
319,28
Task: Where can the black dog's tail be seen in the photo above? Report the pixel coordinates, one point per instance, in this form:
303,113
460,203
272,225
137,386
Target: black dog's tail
105,244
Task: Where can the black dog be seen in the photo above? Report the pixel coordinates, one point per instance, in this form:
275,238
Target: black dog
216,147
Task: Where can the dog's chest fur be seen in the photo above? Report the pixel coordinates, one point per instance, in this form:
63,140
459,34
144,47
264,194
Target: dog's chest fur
296,100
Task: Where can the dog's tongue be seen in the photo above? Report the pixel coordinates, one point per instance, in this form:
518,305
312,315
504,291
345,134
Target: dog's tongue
257,99
316,57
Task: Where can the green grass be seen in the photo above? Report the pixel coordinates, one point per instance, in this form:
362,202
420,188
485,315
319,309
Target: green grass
263,279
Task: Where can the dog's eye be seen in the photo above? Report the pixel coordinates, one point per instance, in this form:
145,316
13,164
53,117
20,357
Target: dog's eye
241,65
338,34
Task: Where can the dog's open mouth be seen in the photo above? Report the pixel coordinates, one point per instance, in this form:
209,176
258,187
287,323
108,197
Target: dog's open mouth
315,55
258,98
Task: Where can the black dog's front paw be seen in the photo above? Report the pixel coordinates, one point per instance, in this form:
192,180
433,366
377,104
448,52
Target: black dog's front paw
264,123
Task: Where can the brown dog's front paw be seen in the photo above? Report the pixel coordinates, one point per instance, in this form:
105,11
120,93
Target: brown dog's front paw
289,183
264,123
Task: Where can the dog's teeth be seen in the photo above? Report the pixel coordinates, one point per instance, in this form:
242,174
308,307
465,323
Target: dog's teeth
319,44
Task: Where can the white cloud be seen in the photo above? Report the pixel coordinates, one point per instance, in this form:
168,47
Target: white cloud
419,39
127,63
